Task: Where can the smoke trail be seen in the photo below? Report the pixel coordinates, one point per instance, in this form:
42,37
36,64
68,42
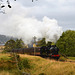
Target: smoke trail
17,23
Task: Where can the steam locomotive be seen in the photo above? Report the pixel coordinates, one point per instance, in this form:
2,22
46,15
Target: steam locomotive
44,51
50,51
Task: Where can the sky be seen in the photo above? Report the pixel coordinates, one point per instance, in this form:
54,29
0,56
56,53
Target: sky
41,18
61,10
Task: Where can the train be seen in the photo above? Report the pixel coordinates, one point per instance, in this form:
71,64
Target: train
45,51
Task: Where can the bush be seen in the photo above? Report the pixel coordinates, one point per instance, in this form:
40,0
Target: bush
62,58
24,63
10,63
7,65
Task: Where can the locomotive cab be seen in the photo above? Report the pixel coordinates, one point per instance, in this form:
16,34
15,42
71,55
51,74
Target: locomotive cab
54,52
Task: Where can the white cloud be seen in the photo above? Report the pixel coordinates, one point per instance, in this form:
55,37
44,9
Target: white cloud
25,14
18,23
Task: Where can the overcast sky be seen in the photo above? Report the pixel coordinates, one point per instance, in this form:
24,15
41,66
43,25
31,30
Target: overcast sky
41,18
61,10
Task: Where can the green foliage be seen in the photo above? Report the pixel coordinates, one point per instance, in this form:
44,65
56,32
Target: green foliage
19,43
11,63
48,43
7,64
24,63
66,43
52,43
11,44
48,67
62,58
73,58
13,57
42,42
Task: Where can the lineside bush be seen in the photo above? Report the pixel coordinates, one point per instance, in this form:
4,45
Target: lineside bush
62,58
24,63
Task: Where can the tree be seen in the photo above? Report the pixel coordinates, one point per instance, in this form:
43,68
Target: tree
42,42
3,5
66,43
9,45
19,43
8,2
49,43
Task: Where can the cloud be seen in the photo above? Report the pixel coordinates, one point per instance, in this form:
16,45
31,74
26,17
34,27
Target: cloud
40,18
18,23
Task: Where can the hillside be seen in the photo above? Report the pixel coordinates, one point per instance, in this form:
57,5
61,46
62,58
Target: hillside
38,66
4,38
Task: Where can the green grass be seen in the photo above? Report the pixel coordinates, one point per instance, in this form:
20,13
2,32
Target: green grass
73,58
5,56
39,66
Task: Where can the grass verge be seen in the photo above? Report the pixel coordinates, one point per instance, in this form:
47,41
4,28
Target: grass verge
38,66
73,58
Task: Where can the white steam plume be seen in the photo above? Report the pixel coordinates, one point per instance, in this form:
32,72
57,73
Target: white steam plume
17,24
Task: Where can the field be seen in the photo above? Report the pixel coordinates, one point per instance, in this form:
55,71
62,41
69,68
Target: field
73,58
39,66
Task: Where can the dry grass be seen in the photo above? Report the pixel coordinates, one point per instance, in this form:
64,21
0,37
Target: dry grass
45,66
5,73
4,56
1,51
50,67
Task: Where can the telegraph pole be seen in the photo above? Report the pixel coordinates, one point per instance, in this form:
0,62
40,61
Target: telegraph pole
34,45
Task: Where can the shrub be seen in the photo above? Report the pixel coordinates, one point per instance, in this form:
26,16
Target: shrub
24,63
7,65
62,58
